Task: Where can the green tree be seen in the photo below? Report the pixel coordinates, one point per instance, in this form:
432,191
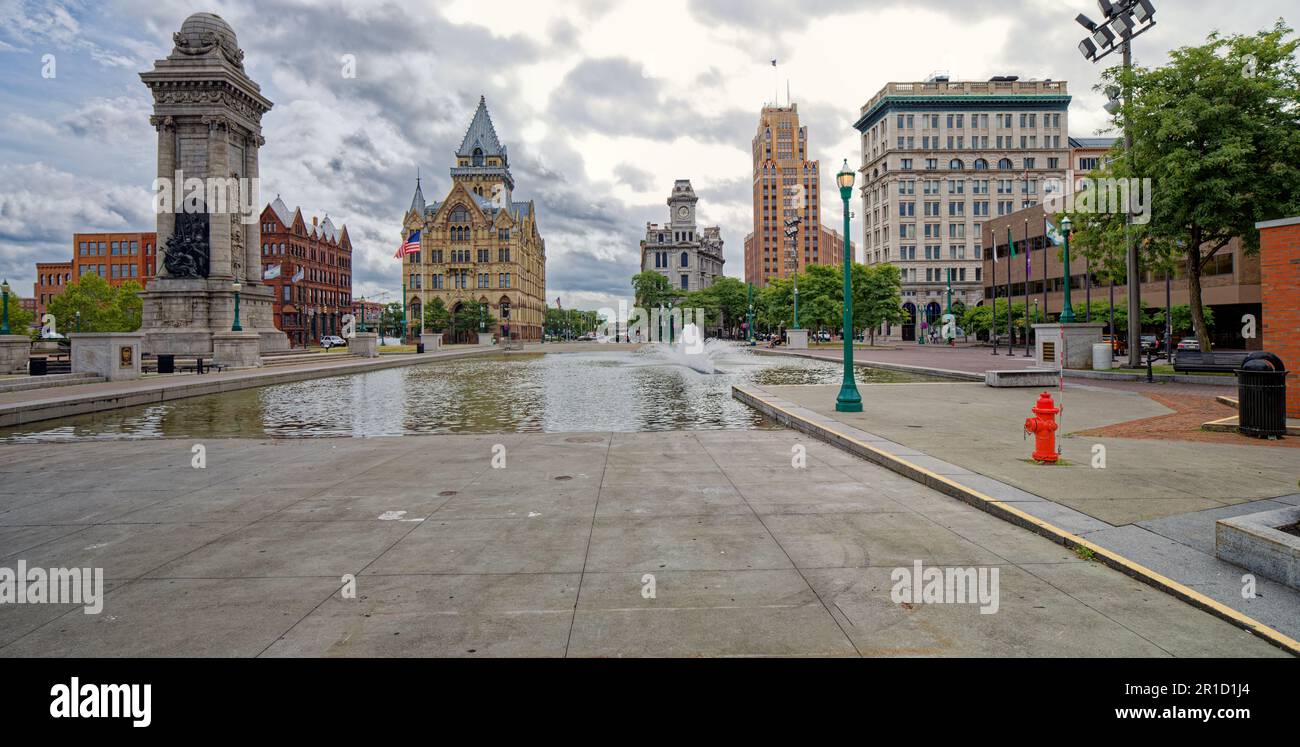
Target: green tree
103,307
20,319
436,315
466,320
652,289
390,319
877,296
1217,130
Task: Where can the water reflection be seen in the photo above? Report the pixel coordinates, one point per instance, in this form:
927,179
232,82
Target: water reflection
588,391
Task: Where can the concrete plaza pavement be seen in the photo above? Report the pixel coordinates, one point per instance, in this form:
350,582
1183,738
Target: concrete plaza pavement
547,556
1154,501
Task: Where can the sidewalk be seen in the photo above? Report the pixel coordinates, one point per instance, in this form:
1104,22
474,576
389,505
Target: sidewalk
704,543
1155,501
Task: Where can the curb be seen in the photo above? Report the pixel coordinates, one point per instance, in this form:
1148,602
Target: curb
944,373
1009,513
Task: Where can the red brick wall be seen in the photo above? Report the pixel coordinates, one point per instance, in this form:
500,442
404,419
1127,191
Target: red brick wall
1279,270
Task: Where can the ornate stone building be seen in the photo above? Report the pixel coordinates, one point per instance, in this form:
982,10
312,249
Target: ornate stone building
478,243
691,259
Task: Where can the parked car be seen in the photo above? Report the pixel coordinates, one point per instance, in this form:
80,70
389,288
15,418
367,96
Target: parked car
1116,344
1189,343
332,341
824,336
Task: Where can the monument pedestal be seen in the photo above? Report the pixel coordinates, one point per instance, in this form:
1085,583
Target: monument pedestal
14,351
113,355
236,349
485,338
797,339
432,341
1071,343
181,315
364,344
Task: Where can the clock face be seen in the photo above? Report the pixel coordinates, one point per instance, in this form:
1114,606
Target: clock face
683,212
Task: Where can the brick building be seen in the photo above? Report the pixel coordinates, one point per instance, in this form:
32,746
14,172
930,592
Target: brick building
787,184
51,279
1230,282
1279,279
115,257
310,269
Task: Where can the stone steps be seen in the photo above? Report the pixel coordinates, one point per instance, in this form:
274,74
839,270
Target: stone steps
44,382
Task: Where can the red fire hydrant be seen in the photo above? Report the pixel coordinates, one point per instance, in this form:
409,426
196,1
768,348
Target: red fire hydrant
1043,426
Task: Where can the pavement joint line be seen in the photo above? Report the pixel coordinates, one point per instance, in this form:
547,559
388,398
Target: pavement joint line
1007,511
848,638
591,532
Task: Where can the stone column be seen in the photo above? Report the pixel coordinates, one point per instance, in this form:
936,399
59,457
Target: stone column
253,231
219,266
166,128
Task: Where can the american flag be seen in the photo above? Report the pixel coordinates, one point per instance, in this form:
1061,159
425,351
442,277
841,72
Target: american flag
411,246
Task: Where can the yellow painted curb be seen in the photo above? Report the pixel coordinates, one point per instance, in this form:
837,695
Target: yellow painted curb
1004,510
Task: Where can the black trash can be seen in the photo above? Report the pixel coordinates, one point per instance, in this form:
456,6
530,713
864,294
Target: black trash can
419,347
1261,396
166,364
37,366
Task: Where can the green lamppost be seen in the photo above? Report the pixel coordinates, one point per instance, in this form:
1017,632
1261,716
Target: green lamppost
402,340
236,327
361,326
1067,313
670,321
949,309
4,320
749,318
849,400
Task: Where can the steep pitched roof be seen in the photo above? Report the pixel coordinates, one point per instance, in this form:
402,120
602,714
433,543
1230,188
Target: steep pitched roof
481,134
327,230
282,212
417,202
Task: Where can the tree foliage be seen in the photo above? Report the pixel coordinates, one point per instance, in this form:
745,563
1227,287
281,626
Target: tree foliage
103,307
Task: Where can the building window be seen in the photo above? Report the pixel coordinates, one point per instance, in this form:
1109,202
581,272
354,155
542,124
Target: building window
686,260
686,282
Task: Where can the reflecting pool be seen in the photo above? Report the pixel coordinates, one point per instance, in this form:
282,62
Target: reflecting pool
645,390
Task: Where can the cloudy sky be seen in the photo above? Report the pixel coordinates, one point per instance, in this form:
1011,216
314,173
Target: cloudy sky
603,103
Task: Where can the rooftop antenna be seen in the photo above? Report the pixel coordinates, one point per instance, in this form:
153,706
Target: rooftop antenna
776,96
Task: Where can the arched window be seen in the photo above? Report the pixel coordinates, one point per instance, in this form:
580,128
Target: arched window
459,214
1005,164
686,259
981,164
956,165
478,156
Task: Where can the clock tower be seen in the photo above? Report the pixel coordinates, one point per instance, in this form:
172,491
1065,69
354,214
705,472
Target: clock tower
681,205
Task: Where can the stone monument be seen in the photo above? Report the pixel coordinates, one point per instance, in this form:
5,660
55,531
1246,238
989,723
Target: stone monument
208,115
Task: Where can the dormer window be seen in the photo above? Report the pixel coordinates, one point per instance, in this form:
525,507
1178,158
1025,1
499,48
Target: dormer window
478,156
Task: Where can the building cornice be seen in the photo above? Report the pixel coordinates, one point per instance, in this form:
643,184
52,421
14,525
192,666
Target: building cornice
888,104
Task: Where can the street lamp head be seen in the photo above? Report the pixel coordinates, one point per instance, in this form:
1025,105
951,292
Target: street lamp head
1103,37
1144,11
1085,22
845,180
1107,8
236,286
1066,224
1088,49
4,287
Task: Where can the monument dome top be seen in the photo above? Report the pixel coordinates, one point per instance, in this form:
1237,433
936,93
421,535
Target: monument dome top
202,33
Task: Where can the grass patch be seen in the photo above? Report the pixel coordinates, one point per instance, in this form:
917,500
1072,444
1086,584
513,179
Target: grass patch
1084,553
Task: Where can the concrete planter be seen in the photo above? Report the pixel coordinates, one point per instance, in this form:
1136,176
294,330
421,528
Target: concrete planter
364,344
484,338
797,338
1073,341
432,341
14,351
113,355
1255,543
236,349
